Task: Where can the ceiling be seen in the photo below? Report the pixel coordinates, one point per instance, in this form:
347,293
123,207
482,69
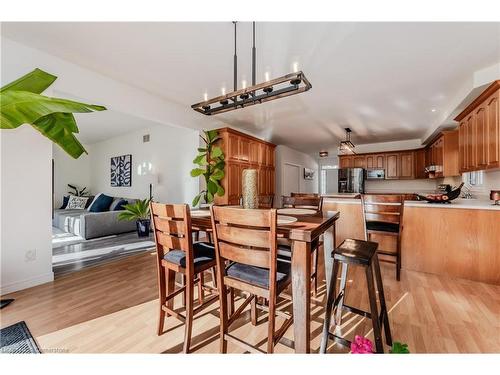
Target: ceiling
383,80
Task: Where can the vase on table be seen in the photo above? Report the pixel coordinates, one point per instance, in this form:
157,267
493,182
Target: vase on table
249,188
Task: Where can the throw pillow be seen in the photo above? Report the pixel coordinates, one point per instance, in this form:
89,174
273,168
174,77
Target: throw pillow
119,205
65,202
89,202
101,203
75,202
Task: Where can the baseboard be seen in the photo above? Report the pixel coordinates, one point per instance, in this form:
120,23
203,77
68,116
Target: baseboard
27,283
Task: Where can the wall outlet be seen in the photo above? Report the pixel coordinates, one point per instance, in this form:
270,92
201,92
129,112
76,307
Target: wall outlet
30,256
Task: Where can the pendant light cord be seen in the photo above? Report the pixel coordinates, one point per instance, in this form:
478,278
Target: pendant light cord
253,56
235,61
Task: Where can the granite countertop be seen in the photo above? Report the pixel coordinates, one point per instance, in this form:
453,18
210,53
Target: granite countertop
474,204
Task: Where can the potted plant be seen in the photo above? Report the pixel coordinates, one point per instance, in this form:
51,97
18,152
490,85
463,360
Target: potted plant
210,164
138,211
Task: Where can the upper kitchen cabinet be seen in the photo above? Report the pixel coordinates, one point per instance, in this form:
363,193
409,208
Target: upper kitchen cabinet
392,162
346,161
479,132
420,163
406,165
443,155
375,161
360,161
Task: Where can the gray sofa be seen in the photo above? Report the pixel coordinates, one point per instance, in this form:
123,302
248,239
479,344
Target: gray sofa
91,224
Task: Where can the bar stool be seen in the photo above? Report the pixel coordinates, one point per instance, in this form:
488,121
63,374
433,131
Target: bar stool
364,254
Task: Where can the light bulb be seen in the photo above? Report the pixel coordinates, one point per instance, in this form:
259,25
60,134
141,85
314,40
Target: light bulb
266,74
223,91
295,67
205,96
244,84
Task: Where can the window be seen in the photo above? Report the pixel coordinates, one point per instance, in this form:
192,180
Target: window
473,179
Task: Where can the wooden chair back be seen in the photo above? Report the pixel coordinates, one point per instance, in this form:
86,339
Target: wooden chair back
383,208
246,236
172,230
266,201
304,195
315,203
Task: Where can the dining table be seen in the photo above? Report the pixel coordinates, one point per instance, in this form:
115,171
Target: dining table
302,233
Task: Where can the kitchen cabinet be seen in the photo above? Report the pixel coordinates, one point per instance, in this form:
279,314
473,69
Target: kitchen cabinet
406,165
241,152
420,163
360,161
392,166
479,132
346,161
444,154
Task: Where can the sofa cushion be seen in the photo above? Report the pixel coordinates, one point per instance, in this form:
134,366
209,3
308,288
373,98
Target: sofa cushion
75,202
101,203
65,202
89,202
117,204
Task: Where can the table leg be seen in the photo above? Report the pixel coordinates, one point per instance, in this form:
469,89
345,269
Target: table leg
301,292
328,246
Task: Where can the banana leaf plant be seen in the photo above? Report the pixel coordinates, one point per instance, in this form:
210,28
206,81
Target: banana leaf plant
76,191
210,164
21,103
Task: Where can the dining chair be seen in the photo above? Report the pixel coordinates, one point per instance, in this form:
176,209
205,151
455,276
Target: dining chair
176,253
383,215
266,201
301,200
245,239
313,195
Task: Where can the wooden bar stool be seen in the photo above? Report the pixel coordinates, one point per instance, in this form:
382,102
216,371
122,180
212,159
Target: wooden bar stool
364,254
176,253
383,216
245,239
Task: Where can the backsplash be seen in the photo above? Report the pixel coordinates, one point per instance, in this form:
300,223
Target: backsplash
491,181
401,186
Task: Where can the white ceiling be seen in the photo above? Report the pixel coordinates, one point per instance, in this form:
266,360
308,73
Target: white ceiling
379,79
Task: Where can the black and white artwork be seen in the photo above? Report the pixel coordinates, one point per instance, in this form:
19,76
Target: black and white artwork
308,174
121,171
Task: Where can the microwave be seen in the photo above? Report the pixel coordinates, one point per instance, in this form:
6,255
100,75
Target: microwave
375,174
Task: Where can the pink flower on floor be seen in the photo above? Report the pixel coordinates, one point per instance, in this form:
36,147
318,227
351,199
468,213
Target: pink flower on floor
361,345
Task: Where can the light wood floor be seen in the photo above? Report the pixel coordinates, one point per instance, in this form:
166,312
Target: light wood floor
113,308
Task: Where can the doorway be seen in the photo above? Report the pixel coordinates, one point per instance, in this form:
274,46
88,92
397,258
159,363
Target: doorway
291,179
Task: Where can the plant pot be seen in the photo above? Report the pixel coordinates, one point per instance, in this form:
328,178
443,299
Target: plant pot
143,227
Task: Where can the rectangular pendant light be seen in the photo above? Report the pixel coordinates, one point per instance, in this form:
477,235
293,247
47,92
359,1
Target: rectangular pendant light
291,84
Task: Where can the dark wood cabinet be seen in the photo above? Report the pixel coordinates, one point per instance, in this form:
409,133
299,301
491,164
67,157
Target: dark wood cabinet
360,161
406,165
420,163
492,129
346,161
392,166
241,152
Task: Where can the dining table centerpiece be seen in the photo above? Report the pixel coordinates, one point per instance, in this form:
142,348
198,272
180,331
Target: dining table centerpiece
249,188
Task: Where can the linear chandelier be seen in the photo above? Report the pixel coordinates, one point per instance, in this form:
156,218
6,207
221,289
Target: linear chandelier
346,147
290,84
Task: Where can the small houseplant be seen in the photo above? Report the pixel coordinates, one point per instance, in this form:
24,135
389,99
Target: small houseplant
77,191
210,164
138,211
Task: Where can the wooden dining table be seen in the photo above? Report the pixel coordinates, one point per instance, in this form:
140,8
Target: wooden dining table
302,233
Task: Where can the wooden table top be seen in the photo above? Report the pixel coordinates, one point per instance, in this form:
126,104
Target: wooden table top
307,227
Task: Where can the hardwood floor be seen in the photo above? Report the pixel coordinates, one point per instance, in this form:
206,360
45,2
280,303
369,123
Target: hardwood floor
113,308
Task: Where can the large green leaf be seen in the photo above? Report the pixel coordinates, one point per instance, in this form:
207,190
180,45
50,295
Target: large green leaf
59,127
216,152
212,187
217,175
211,134
22,107
36,82
197,172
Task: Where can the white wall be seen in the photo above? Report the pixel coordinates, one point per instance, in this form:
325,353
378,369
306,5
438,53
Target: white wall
69,171
389,146
26,247
286,154
170,151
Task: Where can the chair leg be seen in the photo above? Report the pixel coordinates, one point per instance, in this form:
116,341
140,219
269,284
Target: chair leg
398,260
170,287
271,324
201,292
373,310
343,281
254,312
223,317
315,274
189,312
214,278
184,293
381,296
196,236
162,297
230,301
329,307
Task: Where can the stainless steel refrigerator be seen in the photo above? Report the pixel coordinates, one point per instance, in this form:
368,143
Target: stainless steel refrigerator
351,180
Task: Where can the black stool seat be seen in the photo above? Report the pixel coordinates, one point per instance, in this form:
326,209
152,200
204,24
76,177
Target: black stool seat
355,251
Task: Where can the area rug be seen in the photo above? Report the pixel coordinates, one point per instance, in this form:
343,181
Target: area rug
17,339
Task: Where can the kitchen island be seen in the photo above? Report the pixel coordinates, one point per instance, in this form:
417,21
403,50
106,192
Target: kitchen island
458,239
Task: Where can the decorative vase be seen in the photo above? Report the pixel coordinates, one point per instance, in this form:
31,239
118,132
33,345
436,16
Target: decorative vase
249,187
143,227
